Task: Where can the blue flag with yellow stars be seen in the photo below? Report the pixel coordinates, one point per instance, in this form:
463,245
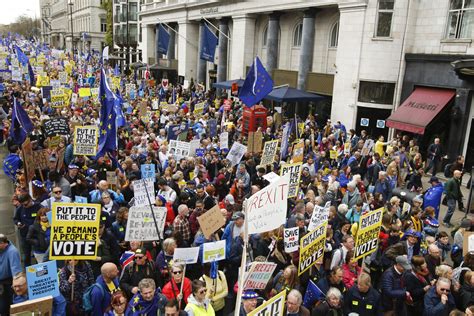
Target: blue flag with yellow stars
108,116
118,102
21,124
11,164
257,84
22,58
139,307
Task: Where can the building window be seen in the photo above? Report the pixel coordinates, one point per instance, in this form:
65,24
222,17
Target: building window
376,92
334,35
265,35
384,18
460,19
298,35
103,25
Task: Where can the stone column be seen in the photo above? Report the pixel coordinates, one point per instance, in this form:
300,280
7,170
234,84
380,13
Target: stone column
307,48
202,64
223,42
243,46
187,49
272,41
149,49
157,36
171,46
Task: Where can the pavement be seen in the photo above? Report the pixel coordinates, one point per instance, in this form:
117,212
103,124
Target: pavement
6,208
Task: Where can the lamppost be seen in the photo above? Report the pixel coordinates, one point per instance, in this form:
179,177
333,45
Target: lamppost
71,4
127,68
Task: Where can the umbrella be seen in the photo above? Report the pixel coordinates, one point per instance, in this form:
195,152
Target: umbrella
228,84
287,94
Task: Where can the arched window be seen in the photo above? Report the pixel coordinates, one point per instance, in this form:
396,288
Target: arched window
264,39
298,35
334,35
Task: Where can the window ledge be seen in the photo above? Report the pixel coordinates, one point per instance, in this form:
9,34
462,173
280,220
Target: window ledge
456,41
382,39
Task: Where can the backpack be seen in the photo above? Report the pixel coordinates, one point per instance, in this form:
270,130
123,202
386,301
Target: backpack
87,297
447,170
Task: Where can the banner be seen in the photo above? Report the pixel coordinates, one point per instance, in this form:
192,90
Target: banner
259,275
213,251
269,151
56,126
291,239
236,153
141,226
74,231
140,197
367,239
266,209
312,248
211,221
186,255
255,142
179,149
319,216
42,279
208,44
272,307
298,152
85,140
148,171
295,174
224,140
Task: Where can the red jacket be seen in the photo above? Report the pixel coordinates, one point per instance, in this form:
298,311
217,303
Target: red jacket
170,291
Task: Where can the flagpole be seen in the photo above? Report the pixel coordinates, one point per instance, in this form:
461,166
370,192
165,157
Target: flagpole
243,263
184,37
220,32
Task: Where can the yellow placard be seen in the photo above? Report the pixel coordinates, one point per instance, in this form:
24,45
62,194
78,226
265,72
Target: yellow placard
84,92
85,140
42,81
295,174
367,237
116,82
273,306
199,108
298,152
312,248
333,154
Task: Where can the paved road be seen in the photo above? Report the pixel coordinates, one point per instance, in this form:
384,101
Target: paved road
6,208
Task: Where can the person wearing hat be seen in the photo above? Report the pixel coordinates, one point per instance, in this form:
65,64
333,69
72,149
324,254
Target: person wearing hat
432,196
249,302
408,246
394,294
39,191
258,179
139,269
74,180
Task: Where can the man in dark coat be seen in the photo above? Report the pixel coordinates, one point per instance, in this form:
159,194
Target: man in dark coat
362,298
438,300
394,293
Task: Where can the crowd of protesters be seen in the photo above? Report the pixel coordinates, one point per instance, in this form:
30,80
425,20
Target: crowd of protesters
418,269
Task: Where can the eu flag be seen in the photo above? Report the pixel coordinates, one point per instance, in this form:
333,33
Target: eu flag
31,74
208,44
116,70
313,294
21,124
163,40
11,164
118,110
107,126
22,58
257,84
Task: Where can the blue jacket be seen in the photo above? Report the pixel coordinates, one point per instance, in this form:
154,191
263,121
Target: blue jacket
10,263
228,233
59,303
433,305
101,297
432,197
96,196
383,188
364,304
393,293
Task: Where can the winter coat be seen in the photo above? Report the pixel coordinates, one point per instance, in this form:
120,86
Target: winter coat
364,304
433,305
393,293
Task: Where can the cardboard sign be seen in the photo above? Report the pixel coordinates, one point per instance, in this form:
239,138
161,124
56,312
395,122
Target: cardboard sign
140,196
141,226
254,142
224,140
272,307
319,216
236,153
269,151
295,174
213,251
186,255
298,152
74,231
148,171
39,306
42,279
40,158
467,242
266,209
85,140
291,239
367,239
112,177
259,275
211,221
56,126
27,151
312,248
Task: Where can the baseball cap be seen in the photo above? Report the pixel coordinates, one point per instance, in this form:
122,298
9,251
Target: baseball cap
238,215
434,179
403,261
230,199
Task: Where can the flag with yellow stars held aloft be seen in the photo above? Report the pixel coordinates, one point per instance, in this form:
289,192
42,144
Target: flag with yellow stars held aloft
107,126
257,84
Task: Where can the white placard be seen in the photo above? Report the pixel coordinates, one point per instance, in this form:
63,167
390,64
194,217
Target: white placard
236,153
140,197
224,140
141,226
320,215
271,177
213,251
186,255
291,239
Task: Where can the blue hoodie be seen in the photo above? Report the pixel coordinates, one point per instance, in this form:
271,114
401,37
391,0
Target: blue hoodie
10,263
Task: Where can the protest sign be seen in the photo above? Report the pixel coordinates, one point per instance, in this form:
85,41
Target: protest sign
211,221
333,154
56,84
284,142
186,255
272,307
74,231
271,177
40,158
295,174
140,197
266,209
16,73
312,248
224,140
140,223
367,148
57,98
39,306
367,239
199,108
254,142
62,77
42,280
236,153
84,92
319,216
27,150
148,171
291,239
111,177
269,151
298,152
193,145
347,148
56,126
53,142
85,140
213,251
175,130
259,275
178,149
212,124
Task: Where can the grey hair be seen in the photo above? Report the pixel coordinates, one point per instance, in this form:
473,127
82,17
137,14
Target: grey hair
297,295
167,243
444,280
146,284
334,292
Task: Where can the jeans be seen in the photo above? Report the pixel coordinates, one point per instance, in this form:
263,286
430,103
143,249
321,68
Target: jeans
6,295
432,164
450,212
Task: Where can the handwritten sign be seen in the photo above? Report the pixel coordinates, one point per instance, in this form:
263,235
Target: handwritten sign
291,239
140,192
211,221
141,226
319,216
259,275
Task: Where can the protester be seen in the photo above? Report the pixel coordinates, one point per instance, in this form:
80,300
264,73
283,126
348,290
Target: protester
106,285
249,302
439,301
199,302
118,305
10,266
179,287
362,298
147,301
80,280
294,306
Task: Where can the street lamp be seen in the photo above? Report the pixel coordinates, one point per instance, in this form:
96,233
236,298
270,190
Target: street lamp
71,4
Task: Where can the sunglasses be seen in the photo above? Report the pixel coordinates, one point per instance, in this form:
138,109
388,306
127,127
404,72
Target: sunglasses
177,272
56,192
139,257
202,291
445,290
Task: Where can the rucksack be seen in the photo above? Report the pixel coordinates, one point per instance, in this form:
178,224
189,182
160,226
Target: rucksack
87,305
447,170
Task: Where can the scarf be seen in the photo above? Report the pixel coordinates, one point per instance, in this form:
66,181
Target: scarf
44,226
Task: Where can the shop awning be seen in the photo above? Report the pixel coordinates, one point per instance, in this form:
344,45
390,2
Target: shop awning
419,109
